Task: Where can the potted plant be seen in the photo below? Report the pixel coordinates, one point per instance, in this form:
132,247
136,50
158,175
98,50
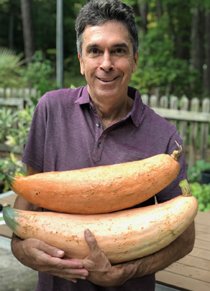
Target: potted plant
200,173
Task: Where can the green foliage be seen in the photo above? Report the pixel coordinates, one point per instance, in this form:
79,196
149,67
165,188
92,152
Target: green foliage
11,166
40,73
7,121
159,67
18,135
200,191
194,173
10,65
14,129
202,194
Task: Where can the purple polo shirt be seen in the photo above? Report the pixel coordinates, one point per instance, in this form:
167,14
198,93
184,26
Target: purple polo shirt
66,134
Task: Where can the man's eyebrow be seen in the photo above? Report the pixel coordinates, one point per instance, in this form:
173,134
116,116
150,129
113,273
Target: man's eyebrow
95,45
92,45
123,44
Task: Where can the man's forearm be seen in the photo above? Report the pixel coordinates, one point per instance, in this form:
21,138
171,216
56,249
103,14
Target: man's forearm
159,260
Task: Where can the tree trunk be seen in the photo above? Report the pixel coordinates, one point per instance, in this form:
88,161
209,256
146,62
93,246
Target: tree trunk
183,36
198,44
159,9
28,32
207,58
171,24
137,13
11,27
143,12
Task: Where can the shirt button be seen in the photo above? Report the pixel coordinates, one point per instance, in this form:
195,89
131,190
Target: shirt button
99,144
90,106
98,124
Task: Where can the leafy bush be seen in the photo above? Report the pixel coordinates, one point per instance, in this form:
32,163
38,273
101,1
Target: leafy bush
200,191
11,166
18,136
15,125
15,137
194,173
202,194
40,73
10,69
159,67
7,121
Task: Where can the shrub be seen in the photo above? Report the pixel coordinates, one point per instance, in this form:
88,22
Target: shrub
11,166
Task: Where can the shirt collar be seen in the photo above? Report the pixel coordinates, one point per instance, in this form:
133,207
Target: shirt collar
137,110
84,97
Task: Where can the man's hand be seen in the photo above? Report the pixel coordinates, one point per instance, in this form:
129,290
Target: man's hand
47,259
101,272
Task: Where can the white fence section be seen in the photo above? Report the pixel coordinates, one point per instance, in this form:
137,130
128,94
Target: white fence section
191,117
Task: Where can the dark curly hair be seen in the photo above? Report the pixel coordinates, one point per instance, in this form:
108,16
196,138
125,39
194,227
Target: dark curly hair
97,12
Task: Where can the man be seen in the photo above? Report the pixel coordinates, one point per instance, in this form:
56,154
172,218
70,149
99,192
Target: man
102,123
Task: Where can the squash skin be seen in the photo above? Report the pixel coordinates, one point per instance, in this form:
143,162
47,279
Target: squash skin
100,189
123,236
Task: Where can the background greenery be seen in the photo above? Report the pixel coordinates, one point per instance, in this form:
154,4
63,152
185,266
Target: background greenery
199,190
174,55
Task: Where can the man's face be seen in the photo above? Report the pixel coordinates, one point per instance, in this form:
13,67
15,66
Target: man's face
107,60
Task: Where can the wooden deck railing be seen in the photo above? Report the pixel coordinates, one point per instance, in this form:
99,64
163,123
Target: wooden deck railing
191,117
24,93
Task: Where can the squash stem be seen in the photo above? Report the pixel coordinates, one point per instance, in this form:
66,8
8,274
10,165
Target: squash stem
186,191
177,153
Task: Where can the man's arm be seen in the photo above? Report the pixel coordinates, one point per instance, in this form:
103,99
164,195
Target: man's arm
40,256
102,273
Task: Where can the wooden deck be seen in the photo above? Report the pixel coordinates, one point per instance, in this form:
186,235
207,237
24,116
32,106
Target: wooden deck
193,271
190,273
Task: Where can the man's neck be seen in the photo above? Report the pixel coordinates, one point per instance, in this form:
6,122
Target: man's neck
111,113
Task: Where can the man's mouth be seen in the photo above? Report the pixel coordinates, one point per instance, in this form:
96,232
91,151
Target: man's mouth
107,80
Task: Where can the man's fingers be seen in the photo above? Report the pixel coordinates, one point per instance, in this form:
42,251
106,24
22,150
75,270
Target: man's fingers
50,250
91,241
62,264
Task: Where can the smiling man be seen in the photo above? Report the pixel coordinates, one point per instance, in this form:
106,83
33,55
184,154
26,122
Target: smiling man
102,123
107,61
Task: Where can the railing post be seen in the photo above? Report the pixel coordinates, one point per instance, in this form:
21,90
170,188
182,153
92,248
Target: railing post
193,134
184,105
204,130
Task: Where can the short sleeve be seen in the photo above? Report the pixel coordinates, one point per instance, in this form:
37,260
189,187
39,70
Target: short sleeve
33,154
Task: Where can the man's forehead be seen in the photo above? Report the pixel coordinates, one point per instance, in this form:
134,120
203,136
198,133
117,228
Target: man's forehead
113,24
114,31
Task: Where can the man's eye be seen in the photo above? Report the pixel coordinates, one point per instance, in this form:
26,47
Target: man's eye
119,51
94,51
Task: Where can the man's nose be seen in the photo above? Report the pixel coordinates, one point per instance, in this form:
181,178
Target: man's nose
106,62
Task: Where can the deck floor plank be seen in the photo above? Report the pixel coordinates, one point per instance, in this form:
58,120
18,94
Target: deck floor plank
181,282
199,253
202,244
196,262
189,271
193,271
203,218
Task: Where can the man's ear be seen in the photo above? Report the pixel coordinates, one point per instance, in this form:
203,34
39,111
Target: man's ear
135,63
82,70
